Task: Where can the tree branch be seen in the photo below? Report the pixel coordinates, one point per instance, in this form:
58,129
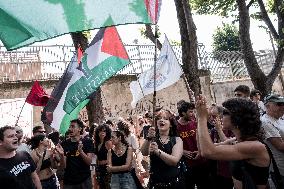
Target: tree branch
267,20
277,65
250,3
149,33
279,6
252,66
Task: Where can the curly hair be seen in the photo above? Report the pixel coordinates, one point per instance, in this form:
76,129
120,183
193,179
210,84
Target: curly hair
245,116
122,137
100,128
123,127
35,141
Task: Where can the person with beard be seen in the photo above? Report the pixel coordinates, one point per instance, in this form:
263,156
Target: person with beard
198,172
17,169
78,153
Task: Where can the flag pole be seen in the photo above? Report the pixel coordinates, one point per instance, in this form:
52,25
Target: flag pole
20,114
155,70
189,91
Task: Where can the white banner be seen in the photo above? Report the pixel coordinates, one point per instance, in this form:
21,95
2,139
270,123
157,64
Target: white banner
168,71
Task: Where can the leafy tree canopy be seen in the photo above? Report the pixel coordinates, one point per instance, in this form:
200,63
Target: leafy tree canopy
226,38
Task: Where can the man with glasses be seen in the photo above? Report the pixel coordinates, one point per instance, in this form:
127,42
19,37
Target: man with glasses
242,91
274,131
38,130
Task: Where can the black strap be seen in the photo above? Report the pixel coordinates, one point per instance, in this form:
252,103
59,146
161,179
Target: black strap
275,168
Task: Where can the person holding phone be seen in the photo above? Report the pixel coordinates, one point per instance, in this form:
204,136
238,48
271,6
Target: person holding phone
165,150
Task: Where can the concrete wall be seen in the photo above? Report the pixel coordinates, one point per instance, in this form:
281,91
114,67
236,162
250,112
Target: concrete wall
117,97
224,90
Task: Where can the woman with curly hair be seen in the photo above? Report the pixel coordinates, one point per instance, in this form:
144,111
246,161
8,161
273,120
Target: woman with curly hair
102,145
249,156
46,161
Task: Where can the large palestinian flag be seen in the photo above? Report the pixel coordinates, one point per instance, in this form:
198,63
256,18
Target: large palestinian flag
23,22
104,57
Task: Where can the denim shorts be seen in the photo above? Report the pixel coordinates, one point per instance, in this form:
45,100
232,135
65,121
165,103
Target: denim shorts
122,181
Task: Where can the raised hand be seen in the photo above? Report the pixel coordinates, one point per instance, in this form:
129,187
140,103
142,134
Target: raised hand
201,107
80,146
151,133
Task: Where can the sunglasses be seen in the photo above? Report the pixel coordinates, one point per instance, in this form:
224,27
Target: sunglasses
41,131
238,94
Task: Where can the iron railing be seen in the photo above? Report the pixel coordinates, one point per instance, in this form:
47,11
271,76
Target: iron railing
49,62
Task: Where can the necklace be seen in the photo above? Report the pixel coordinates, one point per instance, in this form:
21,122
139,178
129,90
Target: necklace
164,141
119,151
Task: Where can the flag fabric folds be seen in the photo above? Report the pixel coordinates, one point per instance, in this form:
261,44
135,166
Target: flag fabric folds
25,22
168,71
37,95
104,57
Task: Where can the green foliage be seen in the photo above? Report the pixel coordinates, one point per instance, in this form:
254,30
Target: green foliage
143,31
175,43
226,38
217,7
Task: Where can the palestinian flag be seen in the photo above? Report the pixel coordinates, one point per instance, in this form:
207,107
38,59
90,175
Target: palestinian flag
104,57
23,22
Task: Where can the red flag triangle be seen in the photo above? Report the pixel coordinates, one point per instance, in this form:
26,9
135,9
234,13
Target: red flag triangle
112,44
79,54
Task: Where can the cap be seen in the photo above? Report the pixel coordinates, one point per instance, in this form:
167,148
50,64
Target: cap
273,98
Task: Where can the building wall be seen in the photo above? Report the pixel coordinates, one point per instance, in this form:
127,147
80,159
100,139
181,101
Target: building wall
116,95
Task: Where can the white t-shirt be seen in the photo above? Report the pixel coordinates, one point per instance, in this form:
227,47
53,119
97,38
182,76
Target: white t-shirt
132,141
273,128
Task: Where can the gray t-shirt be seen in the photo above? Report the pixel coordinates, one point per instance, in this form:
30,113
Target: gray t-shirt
273,128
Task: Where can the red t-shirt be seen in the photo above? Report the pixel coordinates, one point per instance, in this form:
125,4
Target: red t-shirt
188,135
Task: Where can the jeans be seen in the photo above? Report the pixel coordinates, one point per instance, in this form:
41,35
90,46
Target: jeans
122,181
50,183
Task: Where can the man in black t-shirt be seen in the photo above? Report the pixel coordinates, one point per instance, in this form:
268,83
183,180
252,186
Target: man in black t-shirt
78,157
17,169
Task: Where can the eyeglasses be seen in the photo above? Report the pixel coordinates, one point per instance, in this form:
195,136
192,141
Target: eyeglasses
238,94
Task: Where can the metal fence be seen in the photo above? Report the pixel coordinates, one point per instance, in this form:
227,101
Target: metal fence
49,62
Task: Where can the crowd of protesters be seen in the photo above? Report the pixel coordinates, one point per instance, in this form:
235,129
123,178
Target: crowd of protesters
239,144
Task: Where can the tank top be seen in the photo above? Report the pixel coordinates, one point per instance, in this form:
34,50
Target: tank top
118,160
102,152
259,175
160,172
45,164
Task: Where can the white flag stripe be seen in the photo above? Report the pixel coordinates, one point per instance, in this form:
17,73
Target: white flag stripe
168,72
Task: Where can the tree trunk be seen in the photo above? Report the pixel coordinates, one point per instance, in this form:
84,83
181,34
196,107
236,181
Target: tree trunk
259,79
189,45
95,106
